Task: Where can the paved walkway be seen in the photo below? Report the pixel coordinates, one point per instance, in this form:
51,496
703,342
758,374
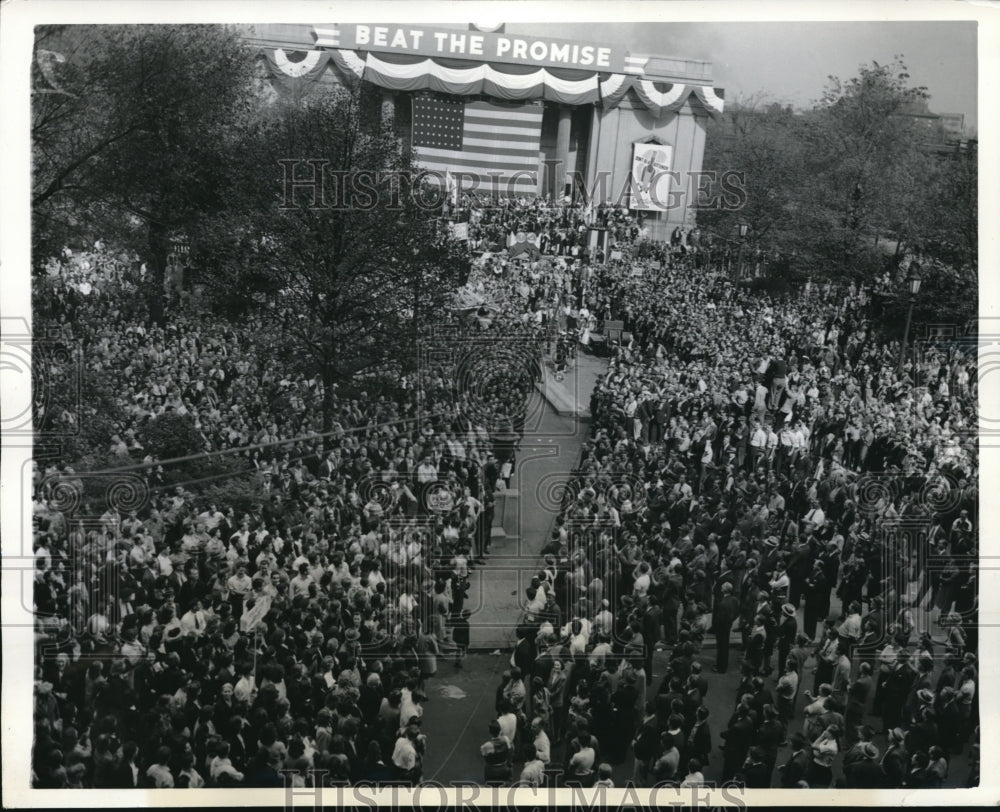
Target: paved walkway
549,451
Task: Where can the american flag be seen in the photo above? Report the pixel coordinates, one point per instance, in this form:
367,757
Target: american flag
482,137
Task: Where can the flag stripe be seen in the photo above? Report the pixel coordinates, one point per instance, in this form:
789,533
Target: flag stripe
478,164
515,132
442,156
527,121
500,145
485,178
515,140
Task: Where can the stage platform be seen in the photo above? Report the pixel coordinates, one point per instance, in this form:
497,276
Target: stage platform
570,397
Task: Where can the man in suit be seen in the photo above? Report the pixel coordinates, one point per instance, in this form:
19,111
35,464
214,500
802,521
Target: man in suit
795,769
749,595
787,631
738,736
646,746
698,680
727,610
864,773
895,762
756,773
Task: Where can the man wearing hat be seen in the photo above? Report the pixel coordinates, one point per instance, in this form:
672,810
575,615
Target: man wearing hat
921,682
864,772
788,629
895,762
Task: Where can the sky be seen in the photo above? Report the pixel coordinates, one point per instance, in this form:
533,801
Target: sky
790,62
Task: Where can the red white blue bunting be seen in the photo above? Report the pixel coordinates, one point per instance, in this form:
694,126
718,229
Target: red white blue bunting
409,72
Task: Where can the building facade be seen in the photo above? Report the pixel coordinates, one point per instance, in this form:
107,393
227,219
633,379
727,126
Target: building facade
606,113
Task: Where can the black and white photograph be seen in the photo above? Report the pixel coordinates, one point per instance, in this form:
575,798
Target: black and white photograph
547,409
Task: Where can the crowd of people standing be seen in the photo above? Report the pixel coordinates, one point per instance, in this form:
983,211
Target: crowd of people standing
186,642
758,471
759,478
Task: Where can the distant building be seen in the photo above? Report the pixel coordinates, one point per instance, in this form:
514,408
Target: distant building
953,124
942,128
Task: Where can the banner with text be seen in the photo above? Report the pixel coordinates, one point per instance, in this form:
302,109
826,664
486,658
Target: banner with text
480,46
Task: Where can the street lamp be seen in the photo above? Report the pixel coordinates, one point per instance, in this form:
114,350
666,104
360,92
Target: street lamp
913,284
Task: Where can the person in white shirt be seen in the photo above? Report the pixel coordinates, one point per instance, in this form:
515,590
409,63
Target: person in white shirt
427,471
158,772
814,516
409,708
375,577
533,772
194,622
643,579
600,653
695,777
582,762
604,621
540,740
578,626
772,444
758,443
578,644
851,627
508,724
800,439
779,584
537,600
404,754
682,489
189,776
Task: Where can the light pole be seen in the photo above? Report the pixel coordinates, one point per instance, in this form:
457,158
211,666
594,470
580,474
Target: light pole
743,238
913,282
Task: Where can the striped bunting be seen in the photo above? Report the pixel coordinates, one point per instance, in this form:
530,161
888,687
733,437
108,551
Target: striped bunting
635,64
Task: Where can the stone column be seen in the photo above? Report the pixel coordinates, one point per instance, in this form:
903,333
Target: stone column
562,149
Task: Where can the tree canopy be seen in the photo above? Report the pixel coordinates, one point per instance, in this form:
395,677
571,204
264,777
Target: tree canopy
852,184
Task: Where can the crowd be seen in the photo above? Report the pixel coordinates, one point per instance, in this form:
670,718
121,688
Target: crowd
182,642
757,468
555,228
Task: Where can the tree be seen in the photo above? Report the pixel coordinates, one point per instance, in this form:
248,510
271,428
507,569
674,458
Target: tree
865,151
134,146
851,185
355,263
763,142
954,230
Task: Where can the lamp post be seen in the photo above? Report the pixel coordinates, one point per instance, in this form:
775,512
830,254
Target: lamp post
744,228
913,283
